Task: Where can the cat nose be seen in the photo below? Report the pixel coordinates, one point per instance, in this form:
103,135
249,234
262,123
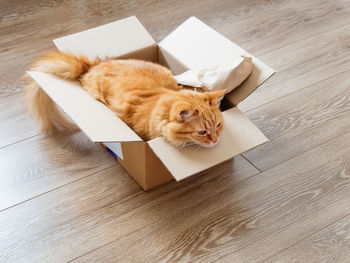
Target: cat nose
214,138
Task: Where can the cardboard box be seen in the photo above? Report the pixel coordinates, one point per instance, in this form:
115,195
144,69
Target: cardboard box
192,45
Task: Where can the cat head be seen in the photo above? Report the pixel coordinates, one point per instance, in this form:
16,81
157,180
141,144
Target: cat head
196,118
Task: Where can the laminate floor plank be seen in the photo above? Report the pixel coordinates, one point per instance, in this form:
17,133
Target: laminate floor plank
40,164
250,222
322,247
301,121
25,39
301,65
86,214
15,123
342,229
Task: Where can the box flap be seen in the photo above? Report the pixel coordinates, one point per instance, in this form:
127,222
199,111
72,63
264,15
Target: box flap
94,118
238,136
116,39
195,45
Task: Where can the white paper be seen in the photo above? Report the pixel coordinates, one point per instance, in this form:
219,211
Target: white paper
227,76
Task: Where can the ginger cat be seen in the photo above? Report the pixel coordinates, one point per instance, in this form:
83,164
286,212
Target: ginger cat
143,94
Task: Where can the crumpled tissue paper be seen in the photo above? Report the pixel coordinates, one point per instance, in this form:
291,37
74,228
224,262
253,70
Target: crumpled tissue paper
226,76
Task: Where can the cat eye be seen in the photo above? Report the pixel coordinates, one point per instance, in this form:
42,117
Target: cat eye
202,132
218,125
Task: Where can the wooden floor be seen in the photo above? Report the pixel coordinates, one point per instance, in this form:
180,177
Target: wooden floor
65,199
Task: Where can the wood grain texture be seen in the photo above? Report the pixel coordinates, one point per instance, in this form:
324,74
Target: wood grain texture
247,222
24,40
322,247
303,119
302,64
65,199
40,164
171,12
105,202
287,23
342,229
15,123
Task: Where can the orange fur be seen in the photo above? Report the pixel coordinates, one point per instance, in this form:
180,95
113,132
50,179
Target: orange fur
143,94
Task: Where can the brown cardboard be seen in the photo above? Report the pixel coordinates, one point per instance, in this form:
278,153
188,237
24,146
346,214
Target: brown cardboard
192,45
134,161
156,172
144,166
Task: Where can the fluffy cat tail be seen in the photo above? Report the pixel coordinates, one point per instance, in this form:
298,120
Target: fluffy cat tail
67,66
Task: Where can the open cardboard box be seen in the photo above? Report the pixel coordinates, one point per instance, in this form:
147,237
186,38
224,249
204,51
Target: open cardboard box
192,45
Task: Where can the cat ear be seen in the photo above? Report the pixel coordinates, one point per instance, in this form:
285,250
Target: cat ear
182,111
214,97
185,115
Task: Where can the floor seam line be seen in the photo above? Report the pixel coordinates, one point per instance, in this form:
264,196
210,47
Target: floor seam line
296,91
251,163
22,140
91,251
41,194
319,230
304,39
292,245
277,164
